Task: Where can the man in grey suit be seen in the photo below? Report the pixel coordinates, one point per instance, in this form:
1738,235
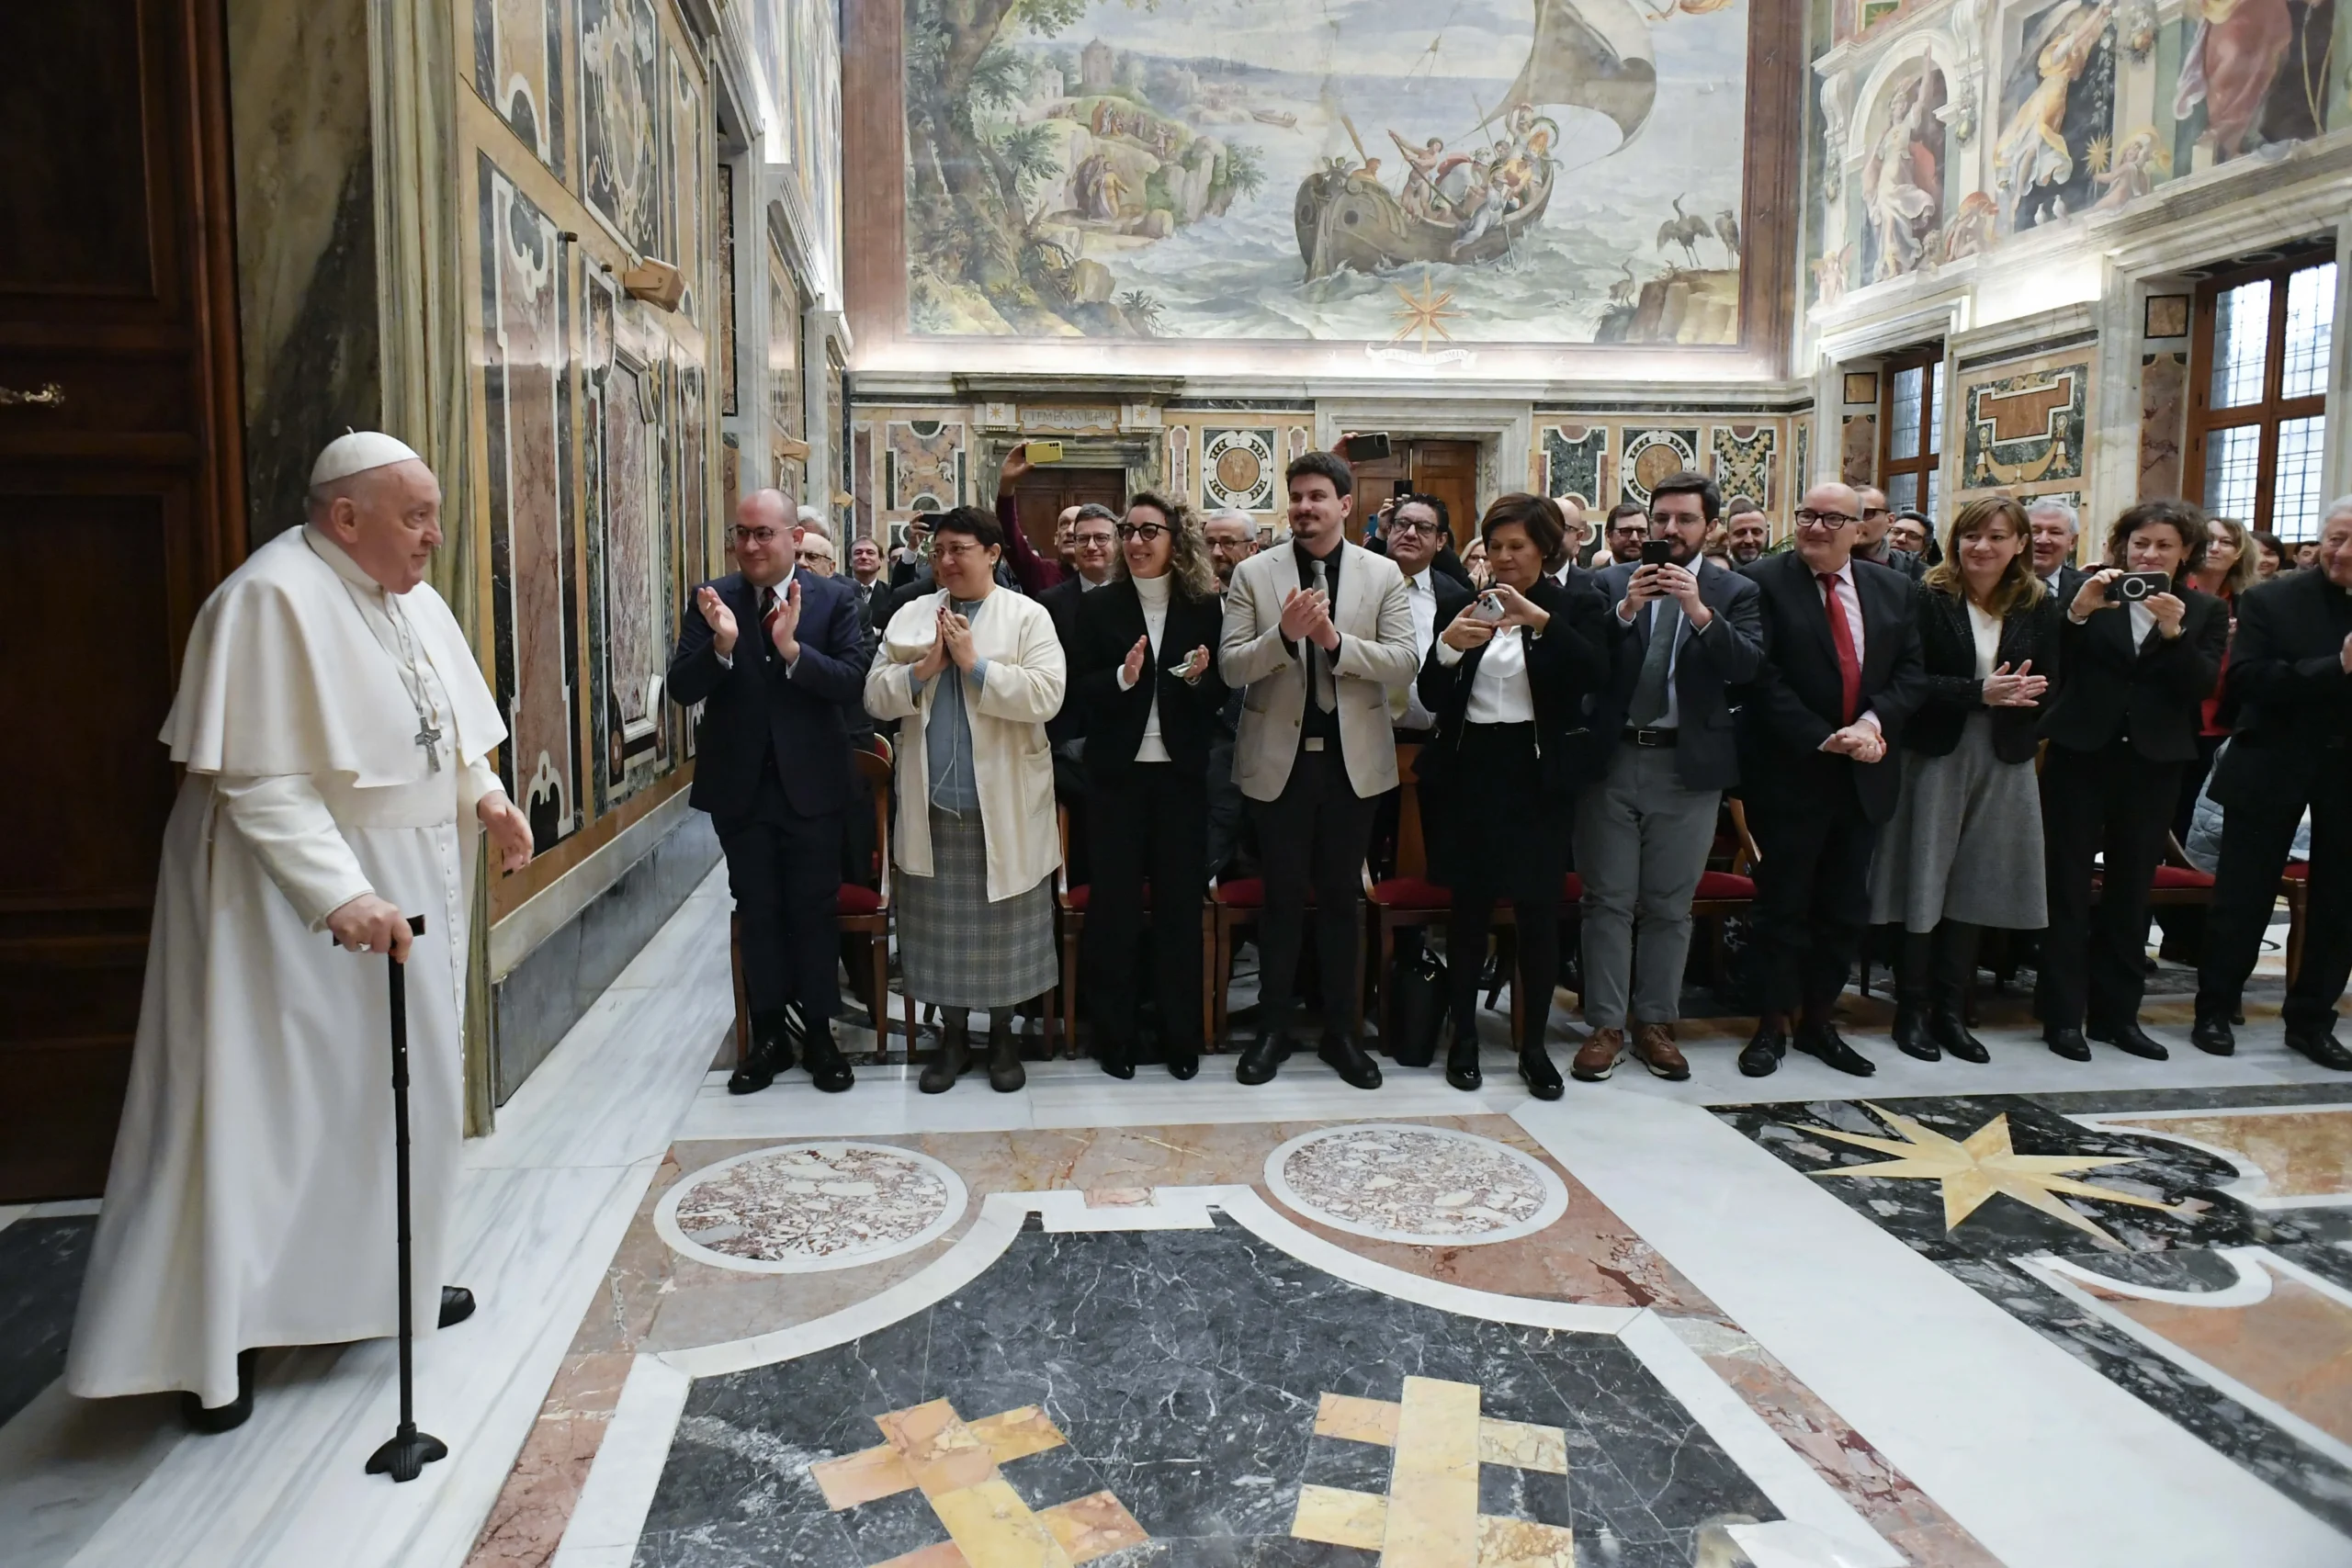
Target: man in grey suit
1689,630
2055,522
1318,632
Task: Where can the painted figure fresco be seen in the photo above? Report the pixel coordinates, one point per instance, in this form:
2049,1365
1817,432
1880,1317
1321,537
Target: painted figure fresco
2058,100
2259,69
1566,171
1903,182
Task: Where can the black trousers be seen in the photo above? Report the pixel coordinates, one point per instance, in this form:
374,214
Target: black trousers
1813,888
1148,821
1312,835
784,870
2115,804
2256,834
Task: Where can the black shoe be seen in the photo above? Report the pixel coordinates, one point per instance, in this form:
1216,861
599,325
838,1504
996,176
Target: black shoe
1822,1040
1911,1035
2067,1043
1462,1061
828,1068
1543,1079
2322,1046
769,1055
210,1418
1114,1060
1183,1064
2212,1034
1761,1058
2130,1039
1948,1028
1260,1062
457,1306
1349,1059
1006,1074
947,1063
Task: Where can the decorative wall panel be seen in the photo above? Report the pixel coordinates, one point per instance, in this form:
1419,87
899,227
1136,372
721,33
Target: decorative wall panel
2023,427
1649,456
518,70
1238,469
620,129
1573,456
1740,460
2164,424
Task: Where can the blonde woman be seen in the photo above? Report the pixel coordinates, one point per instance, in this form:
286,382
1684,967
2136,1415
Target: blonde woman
1965,850
973,674
2232,564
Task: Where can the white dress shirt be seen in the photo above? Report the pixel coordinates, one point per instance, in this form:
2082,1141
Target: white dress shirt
1422,597
1500,693
1985,627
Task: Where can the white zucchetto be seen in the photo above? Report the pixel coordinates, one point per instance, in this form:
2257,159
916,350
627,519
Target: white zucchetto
356,451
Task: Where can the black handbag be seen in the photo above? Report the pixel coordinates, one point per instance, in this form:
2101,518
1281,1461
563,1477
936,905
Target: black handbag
1417,1003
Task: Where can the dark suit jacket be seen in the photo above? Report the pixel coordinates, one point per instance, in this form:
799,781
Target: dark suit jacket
2294,699
1795,703
1707,665
2071,579
1904,561
871,601
1061,603
755,709
2155,695
1109,621
1564,666
1948,644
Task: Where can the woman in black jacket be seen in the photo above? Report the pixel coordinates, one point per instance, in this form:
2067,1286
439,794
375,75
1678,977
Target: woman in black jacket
1143,671
1963,849
1507,680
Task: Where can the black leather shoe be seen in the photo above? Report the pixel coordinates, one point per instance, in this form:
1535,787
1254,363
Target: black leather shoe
2130,1039
828,1068
1259,1062
769,1055
212,1418
1542,1078
2324,1048
1115,1057
1183,1064
1823,1040
457,1306
1461,1062
1948,1028
2067,1043
2212,1034
1911,1036
1761,1056
1345,1057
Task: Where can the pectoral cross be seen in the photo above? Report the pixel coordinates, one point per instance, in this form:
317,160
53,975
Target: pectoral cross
429,736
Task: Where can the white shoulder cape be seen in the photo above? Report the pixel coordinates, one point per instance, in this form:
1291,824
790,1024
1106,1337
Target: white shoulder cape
282,676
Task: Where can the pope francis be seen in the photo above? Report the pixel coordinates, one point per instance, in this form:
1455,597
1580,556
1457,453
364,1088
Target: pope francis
336,733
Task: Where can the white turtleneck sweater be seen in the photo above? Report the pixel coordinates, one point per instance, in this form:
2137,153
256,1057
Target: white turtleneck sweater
1153,593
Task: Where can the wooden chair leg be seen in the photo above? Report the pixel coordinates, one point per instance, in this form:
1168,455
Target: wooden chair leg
2298,905
879,962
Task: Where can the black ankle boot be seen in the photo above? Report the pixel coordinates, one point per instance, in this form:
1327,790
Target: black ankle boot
1911,1036
947,1063
1005,1072
1462,1058
212,1418
1948,1027
1543,1079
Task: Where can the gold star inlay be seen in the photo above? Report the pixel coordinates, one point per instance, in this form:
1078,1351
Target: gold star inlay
1973,1169
1425,312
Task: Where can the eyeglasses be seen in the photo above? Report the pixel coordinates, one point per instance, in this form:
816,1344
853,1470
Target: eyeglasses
1408,525
943,551
760,536
815,555
1873,512
1146,532
1808,518
1092,541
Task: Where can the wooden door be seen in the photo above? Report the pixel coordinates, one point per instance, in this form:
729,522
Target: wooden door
1449,470
1045,493
121,506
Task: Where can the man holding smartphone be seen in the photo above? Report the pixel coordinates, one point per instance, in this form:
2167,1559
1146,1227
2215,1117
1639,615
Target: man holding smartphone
1688,631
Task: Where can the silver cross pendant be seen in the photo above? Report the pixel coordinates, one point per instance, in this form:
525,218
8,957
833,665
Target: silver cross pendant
429,738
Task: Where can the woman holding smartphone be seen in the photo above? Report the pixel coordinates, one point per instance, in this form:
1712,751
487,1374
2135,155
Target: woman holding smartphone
1507,680
2143,650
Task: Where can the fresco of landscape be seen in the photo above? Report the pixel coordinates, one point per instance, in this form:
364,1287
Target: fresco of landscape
1409,172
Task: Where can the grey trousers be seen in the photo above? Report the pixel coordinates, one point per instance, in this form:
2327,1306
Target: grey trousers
1642,843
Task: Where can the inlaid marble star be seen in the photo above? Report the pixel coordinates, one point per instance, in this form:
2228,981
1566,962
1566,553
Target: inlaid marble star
1973,1169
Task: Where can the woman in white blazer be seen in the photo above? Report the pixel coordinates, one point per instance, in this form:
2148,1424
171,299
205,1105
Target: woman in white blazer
973,672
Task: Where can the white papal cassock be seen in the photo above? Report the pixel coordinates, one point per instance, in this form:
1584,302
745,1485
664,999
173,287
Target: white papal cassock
250,1201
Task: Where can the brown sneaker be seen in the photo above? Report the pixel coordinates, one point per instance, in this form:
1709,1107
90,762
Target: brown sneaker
1597,1058
1653,1047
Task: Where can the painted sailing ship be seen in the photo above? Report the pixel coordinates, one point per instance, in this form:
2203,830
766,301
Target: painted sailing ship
1592,54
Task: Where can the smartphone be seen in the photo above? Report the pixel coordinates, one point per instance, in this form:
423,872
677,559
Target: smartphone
2134,586
1657,552
1403,488
1042,452
1373,448
1488,608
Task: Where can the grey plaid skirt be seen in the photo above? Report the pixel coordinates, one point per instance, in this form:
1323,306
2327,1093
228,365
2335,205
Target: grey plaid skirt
1964,843
958,949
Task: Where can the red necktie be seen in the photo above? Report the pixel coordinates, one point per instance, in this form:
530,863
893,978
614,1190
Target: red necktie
1850,664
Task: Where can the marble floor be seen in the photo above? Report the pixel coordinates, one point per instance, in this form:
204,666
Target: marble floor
2028,1313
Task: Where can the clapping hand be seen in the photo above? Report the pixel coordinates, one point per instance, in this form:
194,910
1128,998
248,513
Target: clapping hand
1131,672
1195,667
934,658
1862,742
2020,688
1302,609
956,634
718,618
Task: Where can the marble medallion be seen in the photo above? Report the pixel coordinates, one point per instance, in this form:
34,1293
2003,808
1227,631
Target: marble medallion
1431,1186
805,1208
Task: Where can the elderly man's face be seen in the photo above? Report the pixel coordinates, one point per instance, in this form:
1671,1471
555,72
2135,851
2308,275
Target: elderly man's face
866,561
766,541
1231,542
1828,524
2053,541
1414,535
816,553
1748,536
2333,552
1092,546
389,520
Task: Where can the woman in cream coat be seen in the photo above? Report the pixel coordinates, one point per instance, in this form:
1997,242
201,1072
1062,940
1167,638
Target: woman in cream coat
974,674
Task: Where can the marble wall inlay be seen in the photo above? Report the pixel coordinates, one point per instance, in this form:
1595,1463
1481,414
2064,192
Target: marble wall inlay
809,1207
1427,1185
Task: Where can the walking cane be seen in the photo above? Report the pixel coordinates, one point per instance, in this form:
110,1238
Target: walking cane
406,1453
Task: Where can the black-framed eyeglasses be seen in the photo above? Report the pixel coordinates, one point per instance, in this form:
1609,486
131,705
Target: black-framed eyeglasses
1146,532
1096,541
762,536
1873,512
1411,526
1808,518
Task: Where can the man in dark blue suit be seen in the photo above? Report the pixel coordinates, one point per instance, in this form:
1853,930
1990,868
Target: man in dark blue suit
774,655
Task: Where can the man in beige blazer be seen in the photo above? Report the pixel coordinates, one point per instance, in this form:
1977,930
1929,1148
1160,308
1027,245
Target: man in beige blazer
1318,632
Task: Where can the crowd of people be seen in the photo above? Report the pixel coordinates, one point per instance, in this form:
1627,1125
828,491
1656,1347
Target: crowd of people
1934,733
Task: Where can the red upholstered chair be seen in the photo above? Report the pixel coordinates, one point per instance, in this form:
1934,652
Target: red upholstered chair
1069,909
858,911
1409,897
1728,890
